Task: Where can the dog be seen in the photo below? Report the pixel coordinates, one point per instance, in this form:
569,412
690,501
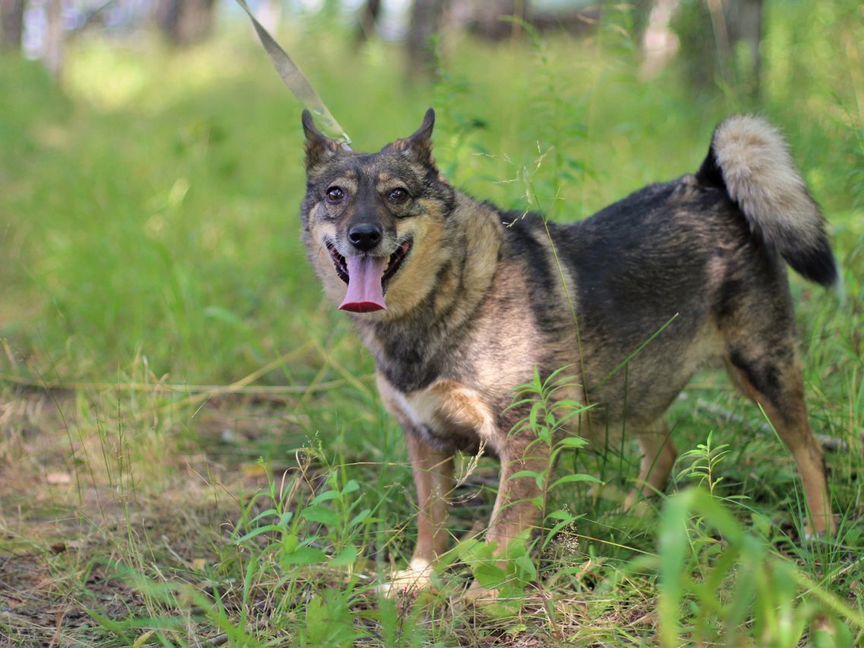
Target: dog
461,302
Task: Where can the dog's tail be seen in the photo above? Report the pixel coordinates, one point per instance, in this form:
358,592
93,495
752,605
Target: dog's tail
750,160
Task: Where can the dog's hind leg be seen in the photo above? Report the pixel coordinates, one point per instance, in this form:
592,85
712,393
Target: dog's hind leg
658,457
770,375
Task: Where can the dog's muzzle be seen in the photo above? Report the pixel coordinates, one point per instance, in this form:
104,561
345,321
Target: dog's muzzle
367,277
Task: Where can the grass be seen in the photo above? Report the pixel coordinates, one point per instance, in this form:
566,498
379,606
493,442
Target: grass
193,452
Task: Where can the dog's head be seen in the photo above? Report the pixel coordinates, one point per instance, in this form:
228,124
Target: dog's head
375,224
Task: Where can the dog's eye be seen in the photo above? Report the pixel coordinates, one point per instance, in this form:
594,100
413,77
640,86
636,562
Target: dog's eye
335,195
397,196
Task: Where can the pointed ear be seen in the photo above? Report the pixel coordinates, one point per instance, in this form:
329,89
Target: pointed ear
419,145
319,147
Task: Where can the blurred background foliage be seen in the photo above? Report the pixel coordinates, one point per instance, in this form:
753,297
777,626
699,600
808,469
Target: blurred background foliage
151,161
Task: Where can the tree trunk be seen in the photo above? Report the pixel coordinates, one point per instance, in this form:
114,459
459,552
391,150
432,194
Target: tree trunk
368,22
712,34
744,18
54,37
426,18
11,24
185,22
487,19
659,41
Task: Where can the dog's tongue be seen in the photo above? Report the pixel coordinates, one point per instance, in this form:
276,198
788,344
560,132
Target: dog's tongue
365,293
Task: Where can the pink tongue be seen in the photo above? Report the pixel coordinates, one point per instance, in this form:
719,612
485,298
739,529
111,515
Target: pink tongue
365,293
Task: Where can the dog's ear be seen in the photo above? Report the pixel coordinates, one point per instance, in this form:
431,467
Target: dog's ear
319,147
419,145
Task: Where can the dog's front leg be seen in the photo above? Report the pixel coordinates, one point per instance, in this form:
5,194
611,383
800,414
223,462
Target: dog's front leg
433,477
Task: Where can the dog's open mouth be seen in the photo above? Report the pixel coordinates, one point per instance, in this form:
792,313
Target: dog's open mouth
367,277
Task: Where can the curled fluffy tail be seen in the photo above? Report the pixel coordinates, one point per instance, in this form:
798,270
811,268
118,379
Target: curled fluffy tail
751,161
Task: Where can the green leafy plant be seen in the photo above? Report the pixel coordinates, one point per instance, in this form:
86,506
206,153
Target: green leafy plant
332,518
550,417
550,420
712,585
705,460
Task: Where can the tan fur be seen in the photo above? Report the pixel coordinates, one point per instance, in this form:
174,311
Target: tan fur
417,277
320,230
794,429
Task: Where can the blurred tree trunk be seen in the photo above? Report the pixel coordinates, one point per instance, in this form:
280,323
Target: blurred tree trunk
11,24
368,22
488,15
744,20
54,37
659,41
721,42
185,22
502,19
426,19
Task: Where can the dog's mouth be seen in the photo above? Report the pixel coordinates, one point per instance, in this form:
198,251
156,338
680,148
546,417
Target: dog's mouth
367,277
338,261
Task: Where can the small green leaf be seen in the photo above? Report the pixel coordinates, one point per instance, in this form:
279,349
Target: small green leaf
527,572
561,514
489,575
575,479
304,556
361,517
264,514
533,415
257,532
554,531
545,435
572,442
351,487
346,557
326,496
325,516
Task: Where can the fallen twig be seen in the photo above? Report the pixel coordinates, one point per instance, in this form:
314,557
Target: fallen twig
262,391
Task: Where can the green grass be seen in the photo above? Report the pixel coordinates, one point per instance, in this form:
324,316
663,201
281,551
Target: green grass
214,464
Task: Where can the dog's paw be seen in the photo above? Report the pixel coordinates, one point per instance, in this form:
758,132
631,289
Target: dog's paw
416,578
635,504
826,535
478,595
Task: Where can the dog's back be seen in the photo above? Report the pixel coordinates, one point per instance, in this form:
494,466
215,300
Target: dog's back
677,273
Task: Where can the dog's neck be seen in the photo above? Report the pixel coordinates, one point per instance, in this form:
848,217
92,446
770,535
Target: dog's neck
416,343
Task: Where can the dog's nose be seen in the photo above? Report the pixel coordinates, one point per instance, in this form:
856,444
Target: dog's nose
365,236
